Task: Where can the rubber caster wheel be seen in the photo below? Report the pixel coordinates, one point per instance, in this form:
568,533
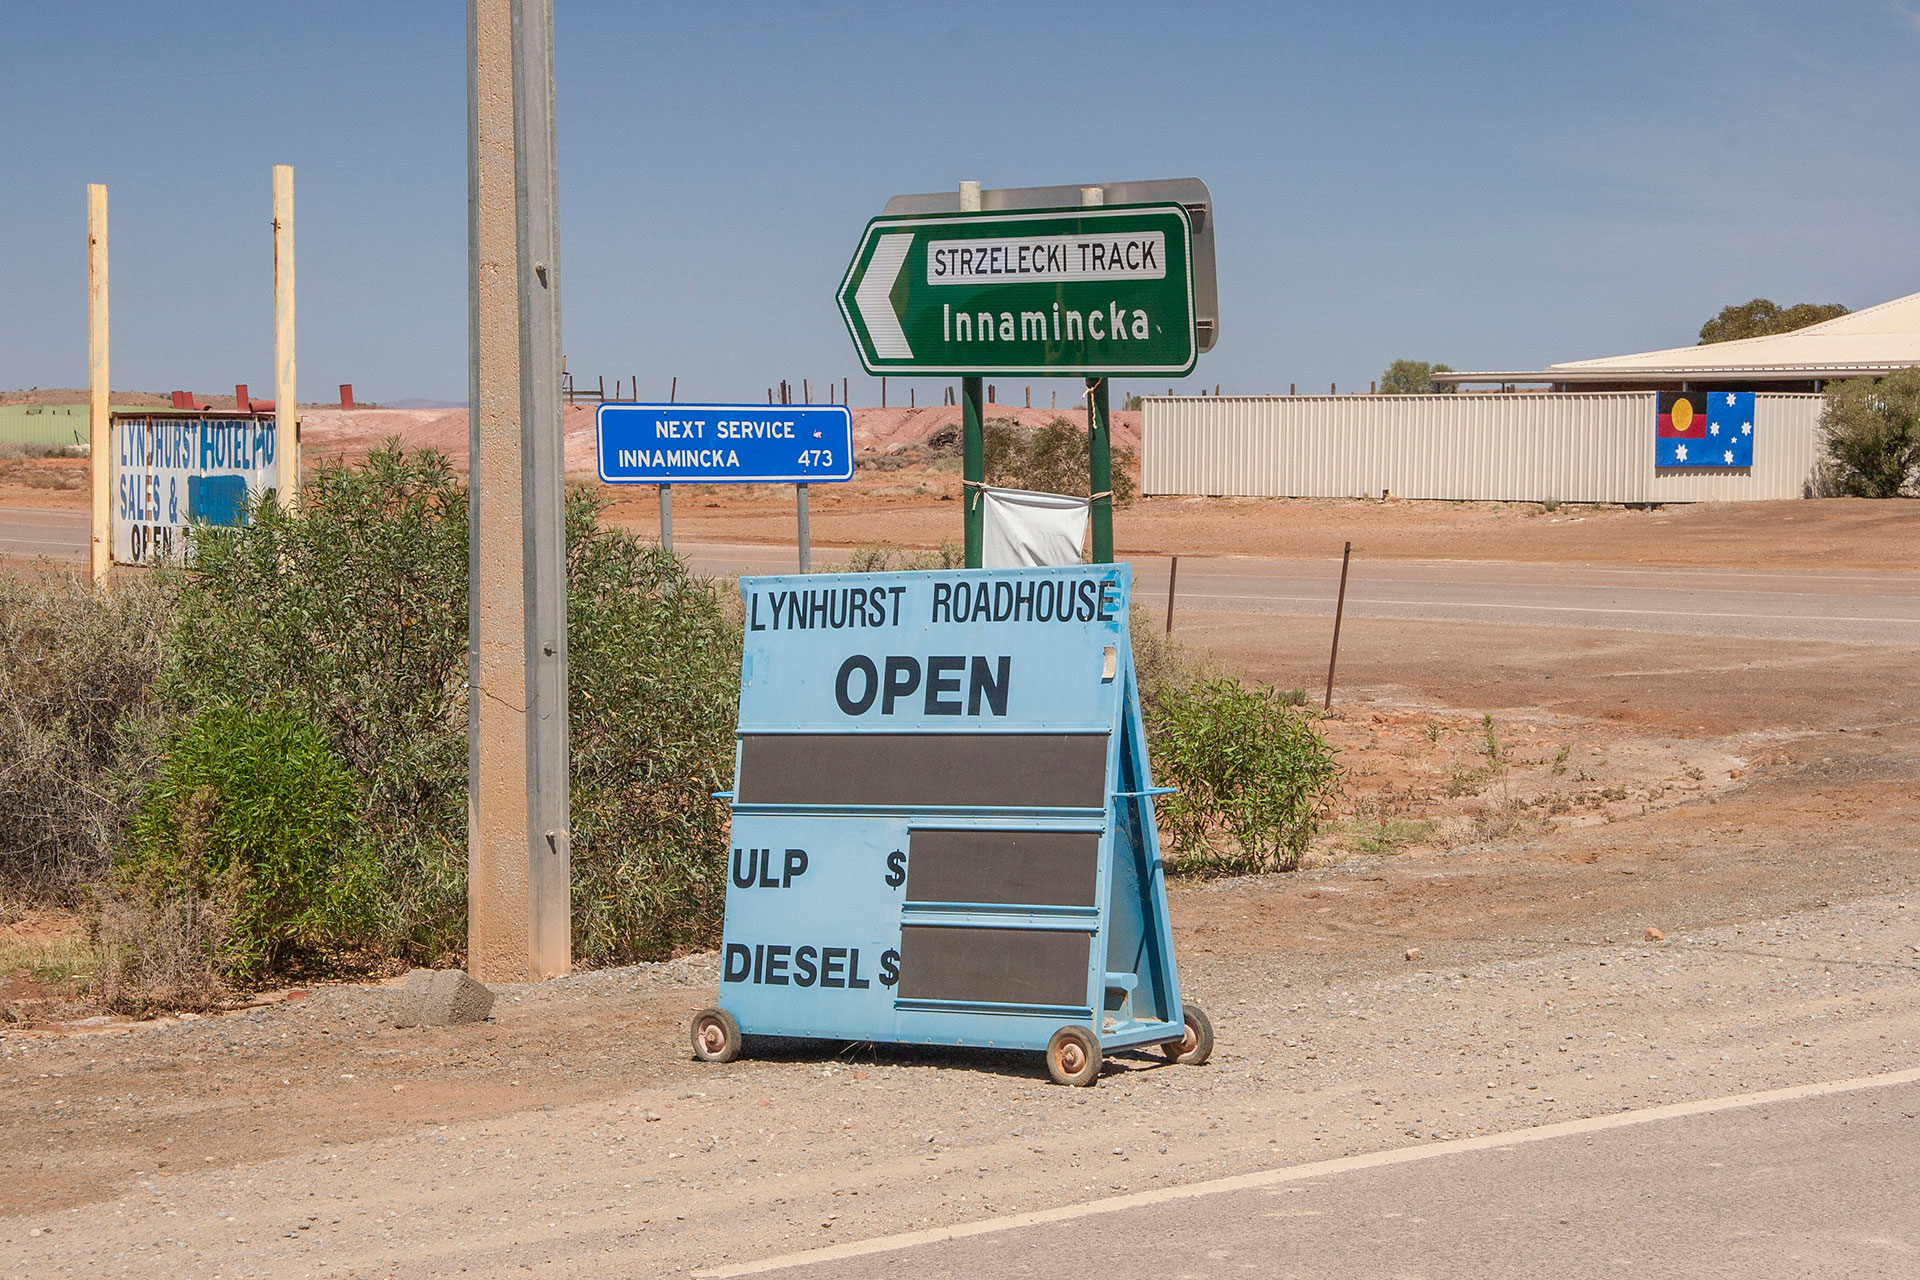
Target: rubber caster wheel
716,1036
1073,1056
1197,1046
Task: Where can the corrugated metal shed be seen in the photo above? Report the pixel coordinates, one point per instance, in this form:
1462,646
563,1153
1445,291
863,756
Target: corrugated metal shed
43,424
1583,447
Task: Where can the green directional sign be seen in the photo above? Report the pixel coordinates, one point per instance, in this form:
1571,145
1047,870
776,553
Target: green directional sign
1060,292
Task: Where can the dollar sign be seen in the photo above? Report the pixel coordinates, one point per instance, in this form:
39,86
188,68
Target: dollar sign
896,868
889,968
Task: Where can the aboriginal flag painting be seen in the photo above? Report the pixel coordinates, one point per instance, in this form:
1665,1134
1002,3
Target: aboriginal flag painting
1704,429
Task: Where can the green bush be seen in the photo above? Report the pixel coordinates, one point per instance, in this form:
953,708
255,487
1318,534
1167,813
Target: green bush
653,658
1870,435
77,667
1050,459
352,610
253,813
1254,773
1415,378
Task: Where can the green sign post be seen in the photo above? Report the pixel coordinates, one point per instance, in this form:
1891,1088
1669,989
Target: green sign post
1094,292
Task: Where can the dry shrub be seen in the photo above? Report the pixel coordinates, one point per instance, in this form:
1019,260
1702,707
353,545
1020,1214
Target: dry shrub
77,716
155,956
1050,459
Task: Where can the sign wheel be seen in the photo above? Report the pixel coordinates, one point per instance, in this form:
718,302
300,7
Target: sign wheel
1073,1056
1196,1046
716,1036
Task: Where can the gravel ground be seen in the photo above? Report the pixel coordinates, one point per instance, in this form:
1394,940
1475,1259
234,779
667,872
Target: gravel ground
803,1144
571,1133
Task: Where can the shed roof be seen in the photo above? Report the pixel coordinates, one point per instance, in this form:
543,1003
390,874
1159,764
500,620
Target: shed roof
1862,343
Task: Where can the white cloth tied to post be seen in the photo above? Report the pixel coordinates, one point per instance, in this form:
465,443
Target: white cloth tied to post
1024,528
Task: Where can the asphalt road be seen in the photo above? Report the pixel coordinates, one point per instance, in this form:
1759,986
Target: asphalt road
1816,1185
1846,607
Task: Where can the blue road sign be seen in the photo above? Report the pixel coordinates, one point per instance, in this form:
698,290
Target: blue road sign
943,823
724,443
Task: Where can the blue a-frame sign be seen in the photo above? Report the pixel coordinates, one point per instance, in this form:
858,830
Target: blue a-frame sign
943,821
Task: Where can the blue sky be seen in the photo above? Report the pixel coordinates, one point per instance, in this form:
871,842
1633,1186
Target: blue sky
1493,185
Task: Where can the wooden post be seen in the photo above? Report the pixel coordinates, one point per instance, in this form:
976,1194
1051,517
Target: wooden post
1339,609
1173,576
843,391
286,404
99,392
883,392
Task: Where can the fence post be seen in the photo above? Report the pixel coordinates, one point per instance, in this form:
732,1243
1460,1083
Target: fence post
1339,608
1173,576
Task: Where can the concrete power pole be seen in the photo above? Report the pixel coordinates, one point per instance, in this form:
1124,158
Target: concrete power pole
99,393
519,923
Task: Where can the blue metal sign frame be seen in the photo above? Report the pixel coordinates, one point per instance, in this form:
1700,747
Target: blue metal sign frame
884,716
723,443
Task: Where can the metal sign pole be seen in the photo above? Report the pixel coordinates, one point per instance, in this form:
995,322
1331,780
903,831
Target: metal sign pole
973,443
666,490
800,500
1099,440
972,492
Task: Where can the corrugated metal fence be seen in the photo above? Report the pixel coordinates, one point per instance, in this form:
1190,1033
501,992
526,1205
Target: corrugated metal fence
50,424
1584,447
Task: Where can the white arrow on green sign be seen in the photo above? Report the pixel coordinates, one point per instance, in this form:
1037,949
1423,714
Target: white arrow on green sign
1057,292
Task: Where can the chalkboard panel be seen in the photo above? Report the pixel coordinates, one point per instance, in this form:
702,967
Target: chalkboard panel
1002,966
943,770
1039,868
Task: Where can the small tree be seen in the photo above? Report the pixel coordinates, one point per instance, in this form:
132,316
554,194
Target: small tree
1870,434
1414,378
1763,316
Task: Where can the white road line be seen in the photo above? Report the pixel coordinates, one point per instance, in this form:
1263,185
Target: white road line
1555,608
1300,1172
